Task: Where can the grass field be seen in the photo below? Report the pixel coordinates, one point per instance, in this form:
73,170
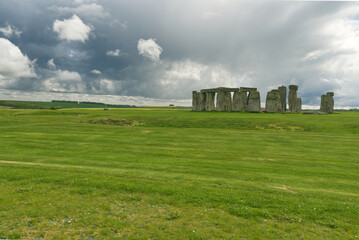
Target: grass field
177,174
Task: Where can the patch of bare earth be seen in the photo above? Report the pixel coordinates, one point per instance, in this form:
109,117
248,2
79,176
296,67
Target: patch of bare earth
112,121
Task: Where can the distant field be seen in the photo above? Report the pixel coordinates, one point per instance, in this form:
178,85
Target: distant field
176,174
55,105
69,104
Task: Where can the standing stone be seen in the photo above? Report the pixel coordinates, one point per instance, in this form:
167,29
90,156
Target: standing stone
299,105
195,100
283,97
254,102
292,98
327,103
244,101
330,102
239,101
227,101
210,101
220,101
202,102
236,102
324,103
273,102
224,101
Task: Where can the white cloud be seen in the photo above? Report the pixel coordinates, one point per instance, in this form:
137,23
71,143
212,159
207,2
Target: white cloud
149,49
107,86
13,64
72,29
114,53
92,10
8,31
66,76
64,81
51,64
210,15
187,76
95,71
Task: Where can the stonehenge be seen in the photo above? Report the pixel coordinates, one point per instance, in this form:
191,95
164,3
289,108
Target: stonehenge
327,103
246,99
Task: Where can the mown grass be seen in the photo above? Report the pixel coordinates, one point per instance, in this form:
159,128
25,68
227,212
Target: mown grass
178,174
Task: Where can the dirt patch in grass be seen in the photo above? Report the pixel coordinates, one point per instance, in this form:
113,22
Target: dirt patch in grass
280,128
113,121
73,115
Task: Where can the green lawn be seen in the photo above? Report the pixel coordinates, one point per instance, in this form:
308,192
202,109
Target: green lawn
177,174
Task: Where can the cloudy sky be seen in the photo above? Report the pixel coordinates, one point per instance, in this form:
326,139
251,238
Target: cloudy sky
158,51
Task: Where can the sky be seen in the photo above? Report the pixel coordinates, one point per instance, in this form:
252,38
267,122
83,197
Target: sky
156,52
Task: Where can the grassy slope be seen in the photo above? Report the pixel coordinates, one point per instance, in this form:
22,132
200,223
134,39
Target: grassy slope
179,174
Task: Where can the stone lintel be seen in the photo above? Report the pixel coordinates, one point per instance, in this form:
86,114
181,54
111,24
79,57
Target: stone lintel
220,89
293,87
330,94
247,89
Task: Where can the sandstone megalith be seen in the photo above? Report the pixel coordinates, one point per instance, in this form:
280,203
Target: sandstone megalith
195,100
254,102
210,101
292,98
283,97
273,102
239,101
327,103
202,102
299,105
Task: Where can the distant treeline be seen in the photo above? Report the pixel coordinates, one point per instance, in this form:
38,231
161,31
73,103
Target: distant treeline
20,105
64,101
95,103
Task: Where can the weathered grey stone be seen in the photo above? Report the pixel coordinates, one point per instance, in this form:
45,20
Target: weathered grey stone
254,102
299,105
224,102
220,101
327,103
228,101
247,89
195,100
202,102
283,97
210,101
292,98
239,102
220,89
273,103
330,102
324,103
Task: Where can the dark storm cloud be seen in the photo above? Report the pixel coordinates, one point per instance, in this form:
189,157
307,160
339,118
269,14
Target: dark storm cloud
212,43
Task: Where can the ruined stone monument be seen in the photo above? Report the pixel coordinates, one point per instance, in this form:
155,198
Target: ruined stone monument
299,105
292,98
248,99
283,97
327,103
244,99
273,102
224,99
